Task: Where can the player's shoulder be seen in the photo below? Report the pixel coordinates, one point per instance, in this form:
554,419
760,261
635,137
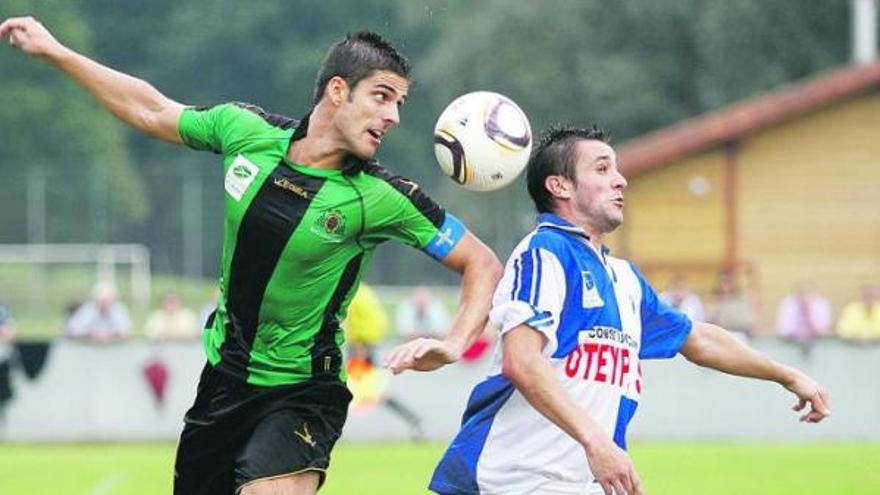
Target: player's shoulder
256,114
379,176
550,240
537,244
402,188
243,116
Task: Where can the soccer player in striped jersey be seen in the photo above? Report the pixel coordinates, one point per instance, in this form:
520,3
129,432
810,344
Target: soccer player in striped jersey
575,322
306,207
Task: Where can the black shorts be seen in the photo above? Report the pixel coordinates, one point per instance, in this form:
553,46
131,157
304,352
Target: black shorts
236,433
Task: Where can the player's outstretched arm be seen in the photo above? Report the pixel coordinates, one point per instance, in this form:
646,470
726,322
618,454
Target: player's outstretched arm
713,347
531,373
132,100
480,271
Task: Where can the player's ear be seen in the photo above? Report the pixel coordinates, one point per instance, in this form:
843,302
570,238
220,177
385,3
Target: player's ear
558,186
337,90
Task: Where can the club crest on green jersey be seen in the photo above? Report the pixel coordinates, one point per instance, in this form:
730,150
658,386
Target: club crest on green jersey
330,225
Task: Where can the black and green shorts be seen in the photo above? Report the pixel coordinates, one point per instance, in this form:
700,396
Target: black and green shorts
237,433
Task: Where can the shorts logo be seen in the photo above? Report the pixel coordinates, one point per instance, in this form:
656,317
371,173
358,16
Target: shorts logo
305,436
240,176
591,297
330,225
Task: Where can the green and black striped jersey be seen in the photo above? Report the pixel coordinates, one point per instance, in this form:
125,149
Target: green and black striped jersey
296,242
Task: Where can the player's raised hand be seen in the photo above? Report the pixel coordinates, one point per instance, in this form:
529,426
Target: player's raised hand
810,392
422,354
30,36
613,468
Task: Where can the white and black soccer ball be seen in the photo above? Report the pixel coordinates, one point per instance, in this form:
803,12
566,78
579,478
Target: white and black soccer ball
482,140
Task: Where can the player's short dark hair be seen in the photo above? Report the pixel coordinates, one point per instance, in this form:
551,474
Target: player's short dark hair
356,57
556,154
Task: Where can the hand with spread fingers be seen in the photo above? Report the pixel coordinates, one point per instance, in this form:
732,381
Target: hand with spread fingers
424,354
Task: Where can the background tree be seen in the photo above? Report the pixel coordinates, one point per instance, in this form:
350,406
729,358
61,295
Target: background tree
49,125
630,65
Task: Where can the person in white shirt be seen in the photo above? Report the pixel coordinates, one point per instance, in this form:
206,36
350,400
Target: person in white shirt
173,321
103,319
422,314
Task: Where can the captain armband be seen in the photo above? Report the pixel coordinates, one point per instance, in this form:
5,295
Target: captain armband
447,237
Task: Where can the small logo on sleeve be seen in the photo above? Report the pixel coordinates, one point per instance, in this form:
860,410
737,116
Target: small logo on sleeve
240,176
412,186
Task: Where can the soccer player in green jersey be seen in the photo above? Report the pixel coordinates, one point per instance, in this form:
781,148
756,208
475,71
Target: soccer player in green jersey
306,206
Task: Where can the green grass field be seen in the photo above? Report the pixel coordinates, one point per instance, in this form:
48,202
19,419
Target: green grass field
398,469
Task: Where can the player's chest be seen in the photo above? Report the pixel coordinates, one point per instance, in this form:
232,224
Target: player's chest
601,333
602,293
312,215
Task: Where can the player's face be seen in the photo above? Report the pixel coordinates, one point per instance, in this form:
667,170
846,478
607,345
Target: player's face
369,110
599,186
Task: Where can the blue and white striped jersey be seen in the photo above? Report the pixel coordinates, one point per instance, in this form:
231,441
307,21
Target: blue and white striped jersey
600,317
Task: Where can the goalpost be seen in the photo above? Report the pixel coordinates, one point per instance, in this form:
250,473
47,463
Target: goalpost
105,258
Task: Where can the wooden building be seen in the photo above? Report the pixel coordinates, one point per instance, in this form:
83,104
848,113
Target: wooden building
785,187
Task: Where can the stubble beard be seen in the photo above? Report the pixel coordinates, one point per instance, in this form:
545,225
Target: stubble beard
611,222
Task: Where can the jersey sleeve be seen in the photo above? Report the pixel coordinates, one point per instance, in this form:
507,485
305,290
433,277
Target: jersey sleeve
664,328
206,128
531,292
224,128
418,221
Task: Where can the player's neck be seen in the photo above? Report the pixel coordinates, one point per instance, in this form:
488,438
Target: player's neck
596,239
594,234
319,148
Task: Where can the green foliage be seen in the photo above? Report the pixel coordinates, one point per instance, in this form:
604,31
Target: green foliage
629,65
49,123
634,66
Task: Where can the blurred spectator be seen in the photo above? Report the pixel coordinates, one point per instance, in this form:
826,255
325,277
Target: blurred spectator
172,321
860,320
101,319
803,316
365,327
732,308
680,296
421,315
367,322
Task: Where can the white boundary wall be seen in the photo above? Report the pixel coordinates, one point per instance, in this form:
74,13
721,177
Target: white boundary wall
90,393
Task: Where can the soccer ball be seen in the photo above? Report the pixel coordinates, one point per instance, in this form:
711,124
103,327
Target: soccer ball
482,140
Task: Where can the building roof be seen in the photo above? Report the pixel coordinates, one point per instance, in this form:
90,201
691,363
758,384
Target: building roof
731,123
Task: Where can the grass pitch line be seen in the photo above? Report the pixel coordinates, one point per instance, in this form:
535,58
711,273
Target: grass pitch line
106,486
